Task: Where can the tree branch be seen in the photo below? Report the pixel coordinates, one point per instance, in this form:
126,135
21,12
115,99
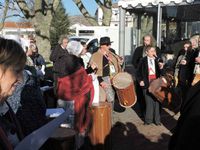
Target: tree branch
84,12
99,3
24,8
4,14
15,15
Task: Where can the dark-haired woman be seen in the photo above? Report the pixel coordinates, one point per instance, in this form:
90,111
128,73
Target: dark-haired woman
12,62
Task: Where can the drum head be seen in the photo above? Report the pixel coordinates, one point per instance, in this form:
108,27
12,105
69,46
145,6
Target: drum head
122,80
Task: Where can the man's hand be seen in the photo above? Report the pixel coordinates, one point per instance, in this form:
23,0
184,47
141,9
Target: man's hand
94,66
141,83
197,59
161,65
183,62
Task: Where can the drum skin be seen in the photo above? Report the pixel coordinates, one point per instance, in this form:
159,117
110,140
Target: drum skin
99,133
124,86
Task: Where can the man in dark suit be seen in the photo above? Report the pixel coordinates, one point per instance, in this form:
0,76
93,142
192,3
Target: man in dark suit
147,71
140,51
56,56
187,132
137,56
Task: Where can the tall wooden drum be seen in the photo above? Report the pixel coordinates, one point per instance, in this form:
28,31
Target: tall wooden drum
99,133
124,86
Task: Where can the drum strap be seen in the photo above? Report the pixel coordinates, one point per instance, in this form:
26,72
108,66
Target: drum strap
37,138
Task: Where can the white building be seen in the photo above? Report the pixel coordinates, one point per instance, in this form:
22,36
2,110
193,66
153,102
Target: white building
18,31
17,28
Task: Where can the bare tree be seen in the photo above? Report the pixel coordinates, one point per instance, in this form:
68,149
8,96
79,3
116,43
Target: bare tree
40,14
105,5
4,14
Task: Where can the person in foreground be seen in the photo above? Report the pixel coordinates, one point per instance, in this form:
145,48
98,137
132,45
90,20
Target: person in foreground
186,134
12,62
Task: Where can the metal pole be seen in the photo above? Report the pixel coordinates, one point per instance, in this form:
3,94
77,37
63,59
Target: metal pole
138,29
159,21
121,31
186,30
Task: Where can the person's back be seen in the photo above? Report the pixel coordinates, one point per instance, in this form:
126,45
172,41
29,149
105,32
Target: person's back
31,114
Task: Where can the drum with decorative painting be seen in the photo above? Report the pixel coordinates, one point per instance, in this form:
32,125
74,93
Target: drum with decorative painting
124,86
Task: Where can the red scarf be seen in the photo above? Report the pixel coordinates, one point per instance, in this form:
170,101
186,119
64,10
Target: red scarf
78,87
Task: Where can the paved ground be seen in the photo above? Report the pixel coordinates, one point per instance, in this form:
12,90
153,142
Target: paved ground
129,133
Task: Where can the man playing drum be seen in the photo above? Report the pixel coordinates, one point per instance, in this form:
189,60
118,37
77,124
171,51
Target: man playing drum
108,64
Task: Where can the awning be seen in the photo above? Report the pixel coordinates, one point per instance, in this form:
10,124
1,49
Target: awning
127,4
181,10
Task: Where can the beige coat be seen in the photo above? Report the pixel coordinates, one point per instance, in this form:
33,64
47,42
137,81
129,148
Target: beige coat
97,58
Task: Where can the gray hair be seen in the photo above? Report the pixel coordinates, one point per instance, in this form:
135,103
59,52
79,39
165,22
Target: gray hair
62,37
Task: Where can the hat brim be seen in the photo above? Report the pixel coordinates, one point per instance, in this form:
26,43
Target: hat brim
106,43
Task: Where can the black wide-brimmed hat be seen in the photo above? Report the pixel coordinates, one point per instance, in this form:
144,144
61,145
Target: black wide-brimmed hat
105,41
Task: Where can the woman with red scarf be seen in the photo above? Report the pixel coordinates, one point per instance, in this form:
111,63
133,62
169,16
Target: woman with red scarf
74,84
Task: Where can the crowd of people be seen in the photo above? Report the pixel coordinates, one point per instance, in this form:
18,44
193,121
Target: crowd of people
78,75
149,65
22,105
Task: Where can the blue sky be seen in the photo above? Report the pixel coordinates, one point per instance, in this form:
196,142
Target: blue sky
72,9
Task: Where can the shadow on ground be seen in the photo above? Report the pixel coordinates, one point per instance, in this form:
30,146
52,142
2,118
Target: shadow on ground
126,137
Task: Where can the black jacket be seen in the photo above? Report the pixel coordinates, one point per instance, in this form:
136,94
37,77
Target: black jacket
142,71
187,132
138,55
56,57
186,71
31,114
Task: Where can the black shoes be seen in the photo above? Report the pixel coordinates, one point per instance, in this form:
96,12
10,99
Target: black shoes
158,124
146,123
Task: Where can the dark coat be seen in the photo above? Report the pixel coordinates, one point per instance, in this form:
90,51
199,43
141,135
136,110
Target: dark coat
38,60
64,63
186,135
186,71
142,71
138,55
31,114
56,57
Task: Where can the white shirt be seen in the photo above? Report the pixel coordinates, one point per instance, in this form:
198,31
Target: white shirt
151,65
